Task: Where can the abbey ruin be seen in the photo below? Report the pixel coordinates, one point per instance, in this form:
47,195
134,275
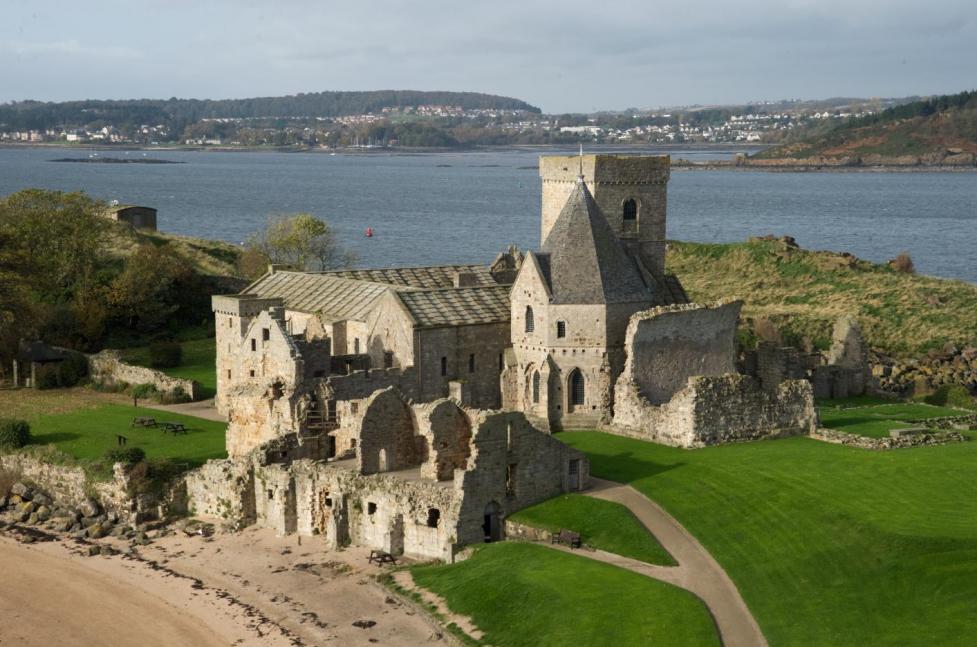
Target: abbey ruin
410,409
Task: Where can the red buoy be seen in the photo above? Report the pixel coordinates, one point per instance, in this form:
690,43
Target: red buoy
369,232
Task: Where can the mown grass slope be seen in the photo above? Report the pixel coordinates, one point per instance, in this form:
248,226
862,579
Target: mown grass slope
602,524
829,545
878,420
804,292
525,595
86,434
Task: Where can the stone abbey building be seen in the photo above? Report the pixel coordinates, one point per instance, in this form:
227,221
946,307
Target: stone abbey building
410,408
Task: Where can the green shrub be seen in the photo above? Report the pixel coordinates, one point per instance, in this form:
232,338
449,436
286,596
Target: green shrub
73,369
951,395
145,392
175,396
127,455
14,434
46,377
165,354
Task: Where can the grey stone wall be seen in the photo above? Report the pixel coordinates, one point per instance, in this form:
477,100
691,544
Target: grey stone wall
108,367
667,345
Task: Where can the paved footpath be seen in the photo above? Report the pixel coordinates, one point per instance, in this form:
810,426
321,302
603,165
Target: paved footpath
697,571
200,409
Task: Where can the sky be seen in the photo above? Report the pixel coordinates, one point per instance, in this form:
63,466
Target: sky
566,56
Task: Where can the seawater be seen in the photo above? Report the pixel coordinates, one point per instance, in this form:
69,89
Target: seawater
465,207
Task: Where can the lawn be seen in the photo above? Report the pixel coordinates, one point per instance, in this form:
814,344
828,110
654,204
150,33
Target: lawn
87,433
526,595
829,545
602,524
198,363
878,420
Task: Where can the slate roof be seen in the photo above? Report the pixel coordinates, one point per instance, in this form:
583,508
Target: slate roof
457,306
335,297
587,264
439,276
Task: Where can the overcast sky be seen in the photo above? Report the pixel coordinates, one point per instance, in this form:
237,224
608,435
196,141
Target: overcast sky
569,55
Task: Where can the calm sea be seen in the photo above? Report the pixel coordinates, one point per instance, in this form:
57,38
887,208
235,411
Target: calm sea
458,207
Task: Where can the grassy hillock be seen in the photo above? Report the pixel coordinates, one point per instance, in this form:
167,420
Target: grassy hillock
803,292
940,130
206,257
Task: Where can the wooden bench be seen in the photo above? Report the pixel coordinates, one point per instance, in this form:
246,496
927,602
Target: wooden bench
174,427
381,557
143,421
568,537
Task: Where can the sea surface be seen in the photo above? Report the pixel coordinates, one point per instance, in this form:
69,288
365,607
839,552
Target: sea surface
465,207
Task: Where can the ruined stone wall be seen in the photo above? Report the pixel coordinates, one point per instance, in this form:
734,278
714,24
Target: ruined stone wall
446,432
389,329
714,410
667,345
386,437
69,486
108,367
223,489
232,317
512,466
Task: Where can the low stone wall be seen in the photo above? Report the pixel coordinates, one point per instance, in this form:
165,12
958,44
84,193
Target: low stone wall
69,486
108,367
900,442
957,422
515,530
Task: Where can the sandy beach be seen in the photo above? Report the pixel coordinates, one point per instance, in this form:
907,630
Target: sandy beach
247,588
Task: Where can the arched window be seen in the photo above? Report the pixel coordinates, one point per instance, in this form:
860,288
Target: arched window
577,388
530,322
536,387
629,216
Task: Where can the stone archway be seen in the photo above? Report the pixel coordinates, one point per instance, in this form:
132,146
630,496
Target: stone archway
576,390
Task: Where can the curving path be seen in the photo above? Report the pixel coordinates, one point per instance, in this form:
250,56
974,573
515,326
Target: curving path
697,571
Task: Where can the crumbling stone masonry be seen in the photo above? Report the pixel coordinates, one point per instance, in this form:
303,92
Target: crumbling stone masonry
680,387
421,480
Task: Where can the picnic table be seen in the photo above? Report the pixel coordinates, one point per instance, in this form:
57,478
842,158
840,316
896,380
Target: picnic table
568,537
143,421
173,427
382,557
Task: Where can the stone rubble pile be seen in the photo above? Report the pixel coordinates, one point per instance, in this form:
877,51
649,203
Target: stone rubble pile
946,366
28,505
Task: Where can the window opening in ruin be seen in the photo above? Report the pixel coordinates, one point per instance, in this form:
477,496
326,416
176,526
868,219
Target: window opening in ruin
328,501
352,443
331,410
265,334
228,373
490,524
356,346
510,479
471,363
573,471
444,366
530,322
230,322
251,372
271,494
433,517
371,507
354,407
388,359
254,345
536,387
508,436
277,390
629,216
330,446
577,389
561,329
501,362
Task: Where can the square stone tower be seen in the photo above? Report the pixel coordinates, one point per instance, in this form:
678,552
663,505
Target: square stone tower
631,192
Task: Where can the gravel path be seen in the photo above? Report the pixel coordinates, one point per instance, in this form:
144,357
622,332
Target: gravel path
697,571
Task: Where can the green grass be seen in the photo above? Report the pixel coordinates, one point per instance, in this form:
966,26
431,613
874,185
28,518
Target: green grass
87,433
602,524
829,545
198,363
878,420
525,595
